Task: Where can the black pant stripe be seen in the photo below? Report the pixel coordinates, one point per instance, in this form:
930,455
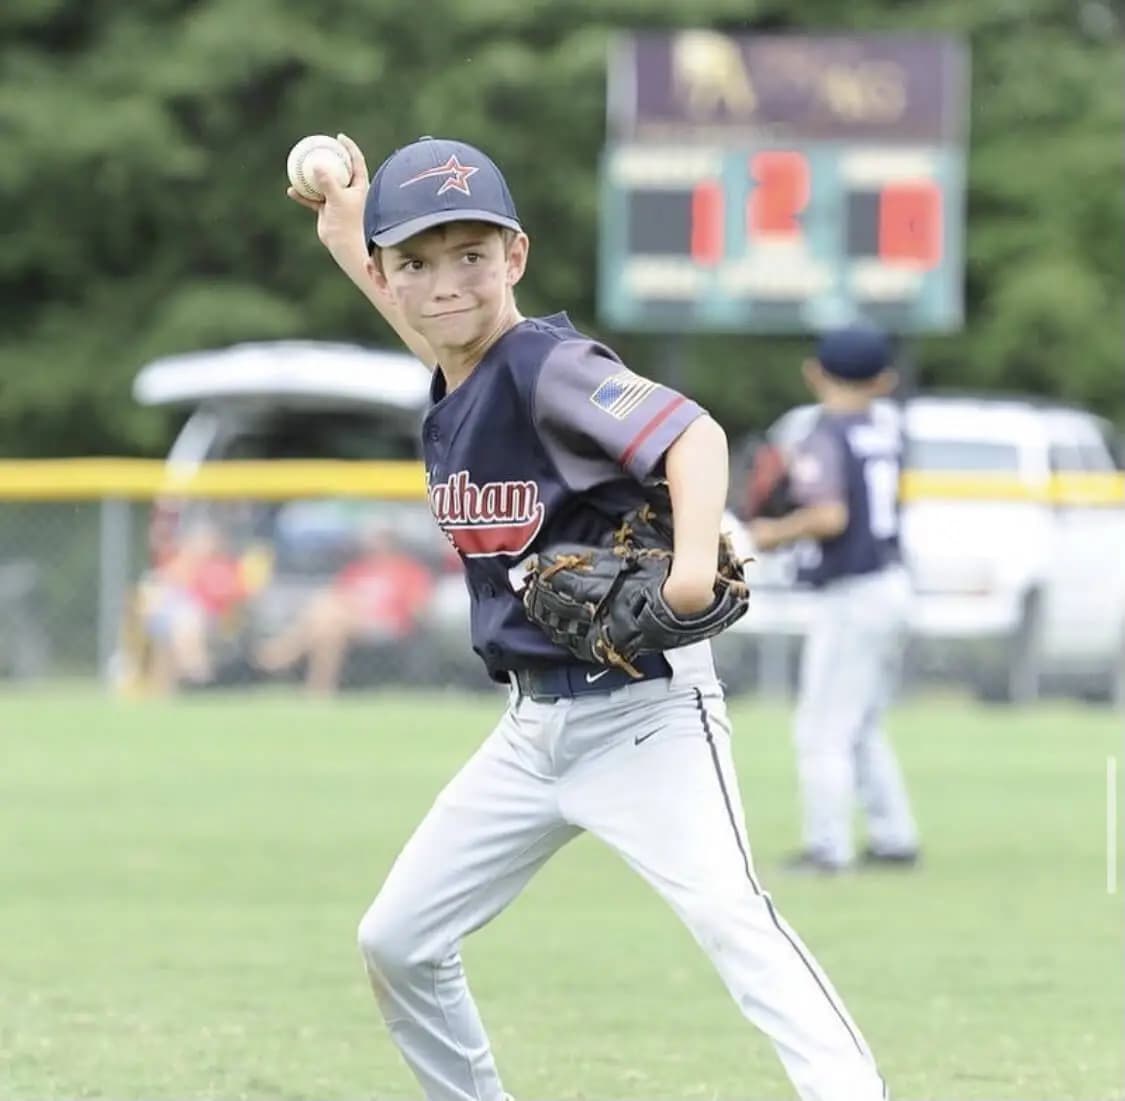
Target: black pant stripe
754,883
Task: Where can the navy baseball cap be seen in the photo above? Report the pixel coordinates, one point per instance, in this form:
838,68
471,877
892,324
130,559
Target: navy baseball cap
431,182
856,352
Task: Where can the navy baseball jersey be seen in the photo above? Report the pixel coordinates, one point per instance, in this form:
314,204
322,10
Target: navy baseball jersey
547,441
854,459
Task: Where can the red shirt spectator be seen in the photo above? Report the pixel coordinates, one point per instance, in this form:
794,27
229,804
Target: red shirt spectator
389,590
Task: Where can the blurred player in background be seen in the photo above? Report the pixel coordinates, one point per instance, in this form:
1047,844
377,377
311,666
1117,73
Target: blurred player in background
843,482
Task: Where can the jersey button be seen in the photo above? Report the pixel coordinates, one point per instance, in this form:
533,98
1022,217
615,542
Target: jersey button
433,434
488,589
492,650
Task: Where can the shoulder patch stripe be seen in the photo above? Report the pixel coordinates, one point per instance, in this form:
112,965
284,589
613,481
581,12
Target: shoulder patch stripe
649,428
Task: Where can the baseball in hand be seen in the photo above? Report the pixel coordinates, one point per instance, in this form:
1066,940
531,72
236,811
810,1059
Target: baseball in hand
311,153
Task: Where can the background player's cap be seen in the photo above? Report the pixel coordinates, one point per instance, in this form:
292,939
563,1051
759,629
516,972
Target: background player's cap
431,182
855,352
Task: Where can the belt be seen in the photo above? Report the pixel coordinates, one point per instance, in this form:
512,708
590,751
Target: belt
556,682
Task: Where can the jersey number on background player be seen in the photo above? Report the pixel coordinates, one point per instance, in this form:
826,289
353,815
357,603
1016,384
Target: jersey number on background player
881,476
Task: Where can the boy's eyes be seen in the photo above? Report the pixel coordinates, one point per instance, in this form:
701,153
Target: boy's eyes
413,263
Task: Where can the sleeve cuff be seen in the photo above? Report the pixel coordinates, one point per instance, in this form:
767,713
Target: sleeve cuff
653,439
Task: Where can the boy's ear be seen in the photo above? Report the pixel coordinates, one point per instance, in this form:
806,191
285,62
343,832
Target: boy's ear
885,382
812,372
374,271
518,249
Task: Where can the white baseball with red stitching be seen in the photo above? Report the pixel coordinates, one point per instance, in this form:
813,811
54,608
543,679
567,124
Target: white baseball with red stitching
311,153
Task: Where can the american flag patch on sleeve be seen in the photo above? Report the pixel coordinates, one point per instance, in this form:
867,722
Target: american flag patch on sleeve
621,393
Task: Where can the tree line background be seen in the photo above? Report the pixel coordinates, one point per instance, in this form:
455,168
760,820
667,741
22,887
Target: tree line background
144,173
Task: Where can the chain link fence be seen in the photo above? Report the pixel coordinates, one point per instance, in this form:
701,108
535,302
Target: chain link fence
328,595
331,595
320,593
54,605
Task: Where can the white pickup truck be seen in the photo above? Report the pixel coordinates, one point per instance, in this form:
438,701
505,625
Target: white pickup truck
1013,529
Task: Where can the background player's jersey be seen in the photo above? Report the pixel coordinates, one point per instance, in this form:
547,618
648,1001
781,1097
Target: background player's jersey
545,442
853,458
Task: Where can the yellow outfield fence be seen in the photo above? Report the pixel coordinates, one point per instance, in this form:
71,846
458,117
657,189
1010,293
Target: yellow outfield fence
277,480
143,479
1093,489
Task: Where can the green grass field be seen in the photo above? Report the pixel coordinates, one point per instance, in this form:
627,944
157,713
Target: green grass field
180,885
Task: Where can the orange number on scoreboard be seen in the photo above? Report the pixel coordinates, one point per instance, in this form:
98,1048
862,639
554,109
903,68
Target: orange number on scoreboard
910,227
707,223
780,193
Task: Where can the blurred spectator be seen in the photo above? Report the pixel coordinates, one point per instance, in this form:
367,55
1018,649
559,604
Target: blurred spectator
191,596
378,598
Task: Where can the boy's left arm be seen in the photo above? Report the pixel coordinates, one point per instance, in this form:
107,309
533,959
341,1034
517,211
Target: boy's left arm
697,469
585,398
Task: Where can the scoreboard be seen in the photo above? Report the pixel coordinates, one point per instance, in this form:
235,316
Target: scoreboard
716,224
781,238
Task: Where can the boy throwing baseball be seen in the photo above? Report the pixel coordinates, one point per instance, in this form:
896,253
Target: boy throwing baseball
538,436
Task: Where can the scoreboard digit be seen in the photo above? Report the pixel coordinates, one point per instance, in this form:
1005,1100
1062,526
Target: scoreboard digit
779,195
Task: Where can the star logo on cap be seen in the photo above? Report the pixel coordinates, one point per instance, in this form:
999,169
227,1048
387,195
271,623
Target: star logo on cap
456,176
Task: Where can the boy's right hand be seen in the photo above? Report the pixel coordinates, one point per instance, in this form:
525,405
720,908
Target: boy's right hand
339,216
339,225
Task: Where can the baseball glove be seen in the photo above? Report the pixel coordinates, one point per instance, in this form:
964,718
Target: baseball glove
768,492
604,603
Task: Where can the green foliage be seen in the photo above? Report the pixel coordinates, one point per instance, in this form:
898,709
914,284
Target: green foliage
144,181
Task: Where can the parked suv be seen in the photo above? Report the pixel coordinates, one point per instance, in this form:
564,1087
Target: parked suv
303,400
1013,529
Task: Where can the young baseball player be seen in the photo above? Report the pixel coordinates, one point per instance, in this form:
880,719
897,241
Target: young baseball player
538,435
844,479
